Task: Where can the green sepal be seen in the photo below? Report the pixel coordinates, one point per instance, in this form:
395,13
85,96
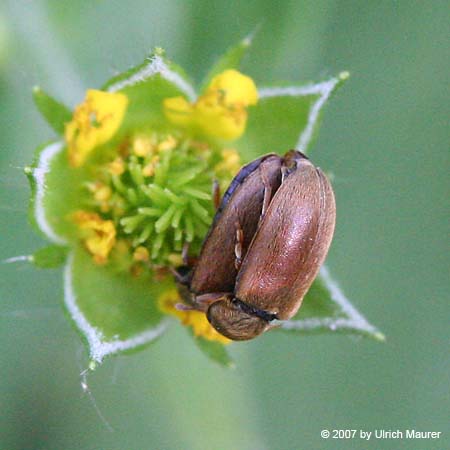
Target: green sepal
285,118
56,192
318,302
213,350
55,113
325,309
230,60
114,310
49,257
146,86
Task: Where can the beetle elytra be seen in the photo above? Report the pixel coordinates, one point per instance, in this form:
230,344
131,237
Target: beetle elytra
268,240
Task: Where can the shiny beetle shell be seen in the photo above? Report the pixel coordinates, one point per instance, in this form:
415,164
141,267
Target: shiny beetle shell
241,207
284,256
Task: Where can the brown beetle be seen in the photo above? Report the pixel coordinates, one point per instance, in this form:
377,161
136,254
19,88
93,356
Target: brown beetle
286,249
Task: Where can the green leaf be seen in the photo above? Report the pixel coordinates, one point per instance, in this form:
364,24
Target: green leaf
49,257
230,60
285,118
146,86
114,311
214,350
55,113
326,309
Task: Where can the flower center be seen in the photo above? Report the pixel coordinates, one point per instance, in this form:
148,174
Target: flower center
157,191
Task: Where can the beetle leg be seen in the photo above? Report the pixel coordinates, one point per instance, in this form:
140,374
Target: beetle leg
238,246
181,276
188,261
211,297
184,307
202,307
216,194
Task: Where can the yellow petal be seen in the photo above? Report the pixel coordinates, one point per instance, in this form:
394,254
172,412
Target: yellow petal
220,121
95,121
237,89
178,110
221,111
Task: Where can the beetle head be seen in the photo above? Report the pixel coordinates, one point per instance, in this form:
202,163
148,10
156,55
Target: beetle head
229,319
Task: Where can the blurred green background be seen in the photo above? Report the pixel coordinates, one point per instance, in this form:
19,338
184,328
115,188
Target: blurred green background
385,137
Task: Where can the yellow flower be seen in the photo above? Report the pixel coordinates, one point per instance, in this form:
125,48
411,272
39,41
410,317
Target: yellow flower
221,111
196,319
99,236
94,122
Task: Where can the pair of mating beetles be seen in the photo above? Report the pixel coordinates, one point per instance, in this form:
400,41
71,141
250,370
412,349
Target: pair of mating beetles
269,237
